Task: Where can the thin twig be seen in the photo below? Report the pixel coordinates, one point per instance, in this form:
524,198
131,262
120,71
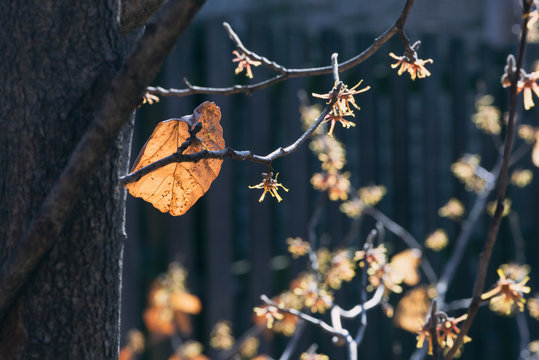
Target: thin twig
311,232
484,258
283,72
363,325
308,318
294,340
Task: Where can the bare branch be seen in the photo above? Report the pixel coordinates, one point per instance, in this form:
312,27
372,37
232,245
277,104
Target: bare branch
283,72
135,13
126,89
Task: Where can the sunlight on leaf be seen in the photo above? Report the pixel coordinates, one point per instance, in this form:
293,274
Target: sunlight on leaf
412,309
176,187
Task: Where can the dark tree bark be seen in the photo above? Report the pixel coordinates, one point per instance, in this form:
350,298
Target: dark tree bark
58,58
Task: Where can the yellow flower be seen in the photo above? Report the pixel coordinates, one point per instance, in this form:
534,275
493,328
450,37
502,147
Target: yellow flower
221,336
527,133
148,98
318,300
527,85
336,183
533,307
507,295
135,341
313,356
249,347
415,66
269,185
465,170
352,208
342,269
341,108
448,331
374,257
244,62
534,347
371,195
297,247
487,117
269,313
521,178
344,99
453,209
491,207
437,240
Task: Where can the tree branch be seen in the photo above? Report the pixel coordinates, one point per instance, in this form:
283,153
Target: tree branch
484,258
126,89
235,154
283,72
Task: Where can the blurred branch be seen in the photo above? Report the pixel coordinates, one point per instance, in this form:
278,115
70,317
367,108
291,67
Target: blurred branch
283,72
484,258
293,343
405,236
464,237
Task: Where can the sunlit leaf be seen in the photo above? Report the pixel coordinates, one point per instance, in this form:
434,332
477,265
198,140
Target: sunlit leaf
405,264
412,309
176,187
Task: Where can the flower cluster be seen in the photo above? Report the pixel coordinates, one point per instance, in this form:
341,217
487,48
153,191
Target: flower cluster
297,247
190,350
508,294
491,207
437,240
466,169
270,185
453,209
135,345
170,303
221,336
487,117
244,62
341,107
414,66
336,183
446,332
521,178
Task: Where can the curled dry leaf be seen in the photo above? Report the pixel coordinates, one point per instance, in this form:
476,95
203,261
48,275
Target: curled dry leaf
176,187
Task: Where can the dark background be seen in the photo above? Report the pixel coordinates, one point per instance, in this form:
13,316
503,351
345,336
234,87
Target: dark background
407,136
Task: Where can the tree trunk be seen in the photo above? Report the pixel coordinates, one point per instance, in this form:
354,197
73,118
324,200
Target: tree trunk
58,58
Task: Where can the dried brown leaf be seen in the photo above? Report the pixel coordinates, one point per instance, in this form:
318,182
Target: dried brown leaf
174,188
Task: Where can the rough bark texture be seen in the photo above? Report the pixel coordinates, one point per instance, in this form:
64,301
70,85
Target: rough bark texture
58,57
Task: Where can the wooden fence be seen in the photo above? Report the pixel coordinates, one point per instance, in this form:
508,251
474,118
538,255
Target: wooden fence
407,135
